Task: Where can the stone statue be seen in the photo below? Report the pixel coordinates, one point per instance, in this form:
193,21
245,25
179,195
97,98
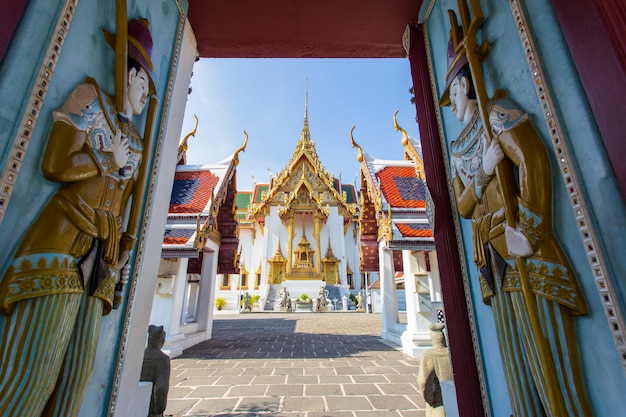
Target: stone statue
542,365
284,303
156,369
246,302
323,298
66,270
359,302
435,367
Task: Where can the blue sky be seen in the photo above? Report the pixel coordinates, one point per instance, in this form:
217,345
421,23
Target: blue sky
266,97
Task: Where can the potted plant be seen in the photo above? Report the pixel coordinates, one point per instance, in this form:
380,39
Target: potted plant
220,303
304,303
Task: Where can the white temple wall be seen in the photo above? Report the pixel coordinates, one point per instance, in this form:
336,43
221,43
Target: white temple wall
168,295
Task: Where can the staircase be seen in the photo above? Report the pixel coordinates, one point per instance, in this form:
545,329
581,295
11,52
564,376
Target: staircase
272,296
334,292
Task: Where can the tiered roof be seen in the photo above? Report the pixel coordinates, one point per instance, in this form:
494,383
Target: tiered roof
304,181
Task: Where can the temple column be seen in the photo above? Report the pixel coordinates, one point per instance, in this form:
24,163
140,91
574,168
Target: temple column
388,298
289,243
316,236
416,337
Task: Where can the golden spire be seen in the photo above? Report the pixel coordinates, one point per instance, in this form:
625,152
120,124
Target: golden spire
306,105
305,136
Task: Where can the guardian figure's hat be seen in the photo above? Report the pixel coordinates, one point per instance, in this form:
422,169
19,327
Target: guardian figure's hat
139,43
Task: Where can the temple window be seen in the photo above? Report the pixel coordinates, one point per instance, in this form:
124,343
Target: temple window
225,285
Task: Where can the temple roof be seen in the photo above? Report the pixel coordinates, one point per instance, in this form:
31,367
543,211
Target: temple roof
401,187
198,192
304,180
397,193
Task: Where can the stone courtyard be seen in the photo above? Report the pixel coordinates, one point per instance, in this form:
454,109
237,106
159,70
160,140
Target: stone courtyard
295,364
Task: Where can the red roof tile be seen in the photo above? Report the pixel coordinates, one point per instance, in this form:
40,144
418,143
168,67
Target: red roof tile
192,191
401,187
414,230
177,236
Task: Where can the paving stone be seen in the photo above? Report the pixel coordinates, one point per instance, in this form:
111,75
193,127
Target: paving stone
302,379
198,381
257,371
348,403
370,378
291,390
349,370
390,402
269,379
213,405
377,413
308,403
247,390
213,391
335,379
405,389
323,389
360,389
258,404
179,406
179,392
331,414
288,371
373,370
319,371
409,378
234,380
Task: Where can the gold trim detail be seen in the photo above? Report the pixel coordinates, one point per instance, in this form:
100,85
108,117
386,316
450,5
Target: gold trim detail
31,115
614,315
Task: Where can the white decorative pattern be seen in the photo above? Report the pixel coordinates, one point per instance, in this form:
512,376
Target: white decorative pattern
37,96
595,258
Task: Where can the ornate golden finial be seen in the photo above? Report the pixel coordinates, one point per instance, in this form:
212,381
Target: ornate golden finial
359,155
409,149
182,148
405,136
242,149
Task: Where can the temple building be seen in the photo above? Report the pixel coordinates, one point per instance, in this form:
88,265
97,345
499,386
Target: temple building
562,65
200,240
299,233
397,244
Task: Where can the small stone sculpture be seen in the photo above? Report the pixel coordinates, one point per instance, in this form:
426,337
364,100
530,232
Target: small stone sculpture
246,302
323,299
435,367
359,302
156,369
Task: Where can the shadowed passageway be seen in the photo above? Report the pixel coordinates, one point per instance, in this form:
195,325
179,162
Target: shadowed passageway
295,364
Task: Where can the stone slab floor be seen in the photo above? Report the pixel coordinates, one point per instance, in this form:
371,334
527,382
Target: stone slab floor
295,365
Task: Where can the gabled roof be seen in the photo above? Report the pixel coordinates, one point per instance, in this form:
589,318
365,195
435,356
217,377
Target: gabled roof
398,194
197,193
